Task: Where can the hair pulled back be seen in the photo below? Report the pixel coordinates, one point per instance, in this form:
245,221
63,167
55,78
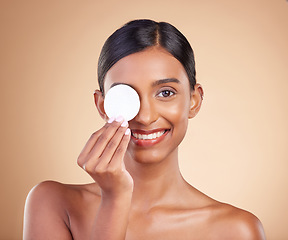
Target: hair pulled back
136,36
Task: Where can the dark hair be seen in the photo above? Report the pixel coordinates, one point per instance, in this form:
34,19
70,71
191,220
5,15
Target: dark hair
138,35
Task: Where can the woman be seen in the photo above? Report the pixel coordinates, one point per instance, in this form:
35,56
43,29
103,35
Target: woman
138,190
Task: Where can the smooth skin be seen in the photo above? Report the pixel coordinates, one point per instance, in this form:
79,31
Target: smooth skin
138,191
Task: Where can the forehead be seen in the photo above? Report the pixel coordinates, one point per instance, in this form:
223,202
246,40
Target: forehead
145,67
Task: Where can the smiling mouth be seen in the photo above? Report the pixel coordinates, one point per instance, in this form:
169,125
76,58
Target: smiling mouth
150,136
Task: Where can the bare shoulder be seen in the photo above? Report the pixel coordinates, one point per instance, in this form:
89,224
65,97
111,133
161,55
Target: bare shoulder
47,190
229,222
50,194
47,210
59,192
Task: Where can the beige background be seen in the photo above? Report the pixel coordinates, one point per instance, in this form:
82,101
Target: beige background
235,149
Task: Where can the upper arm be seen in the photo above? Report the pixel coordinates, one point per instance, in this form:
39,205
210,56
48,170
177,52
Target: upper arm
44,216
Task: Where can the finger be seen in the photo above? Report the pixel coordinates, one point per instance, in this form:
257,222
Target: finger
106,142
106,136
92,140
118,157
88,146
111,147
91,143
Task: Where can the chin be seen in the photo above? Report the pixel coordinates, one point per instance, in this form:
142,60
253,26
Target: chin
153,155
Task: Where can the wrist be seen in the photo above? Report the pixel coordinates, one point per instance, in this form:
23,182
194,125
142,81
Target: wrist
116,199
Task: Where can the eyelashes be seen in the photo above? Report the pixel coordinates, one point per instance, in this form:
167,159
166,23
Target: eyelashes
166,93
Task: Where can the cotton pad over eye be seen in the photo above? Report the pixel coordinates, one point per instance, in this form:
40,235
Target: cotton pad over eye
122,100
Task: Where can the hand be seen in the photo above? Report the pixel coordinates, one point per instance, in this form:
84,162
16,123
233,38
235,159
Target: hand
102,158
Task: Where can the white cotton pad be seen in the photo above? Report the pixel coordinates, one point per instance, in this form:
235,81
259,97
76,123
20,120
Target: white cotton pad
122,100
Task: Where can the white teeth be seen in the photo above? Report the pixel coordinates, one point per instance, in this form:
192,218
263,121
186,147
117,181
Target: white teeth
148,136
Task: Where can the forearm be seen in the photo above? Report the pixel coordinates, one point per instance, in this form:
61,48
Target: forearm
111,220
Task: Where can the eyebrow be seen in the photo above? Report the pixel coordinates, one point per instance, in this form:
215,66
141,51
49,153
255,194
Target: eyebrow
166,80
156,83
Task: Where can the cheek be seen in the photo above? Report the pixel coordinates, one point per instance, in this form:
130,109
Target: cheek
176,112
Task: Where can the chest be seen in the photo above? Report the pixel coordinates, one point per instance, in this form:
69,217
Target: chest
153,225
180,225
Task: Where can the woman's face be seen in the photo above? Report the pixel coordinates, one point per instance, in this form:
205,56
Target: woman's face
166,102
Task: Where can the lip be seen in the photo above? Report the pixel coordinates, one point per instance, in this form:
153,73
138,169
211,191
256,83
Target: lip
149,142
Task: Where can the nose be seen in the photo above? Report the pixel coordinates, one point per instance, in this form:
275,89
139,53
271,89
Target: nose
147,113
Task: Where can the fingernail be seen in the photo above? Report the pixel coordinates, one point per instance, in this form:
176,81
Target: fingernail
110,120
119,119
127,132
124,124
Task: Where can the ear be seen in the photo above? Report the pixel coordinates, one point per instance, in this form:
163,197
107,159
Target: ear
99,102
196,100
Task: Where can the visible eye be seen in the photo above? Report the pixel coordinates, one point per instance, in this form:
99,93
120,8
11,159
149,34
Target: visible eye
166,93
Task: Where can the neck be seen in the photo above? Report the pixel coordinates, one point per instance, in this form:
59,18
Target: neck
155,183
